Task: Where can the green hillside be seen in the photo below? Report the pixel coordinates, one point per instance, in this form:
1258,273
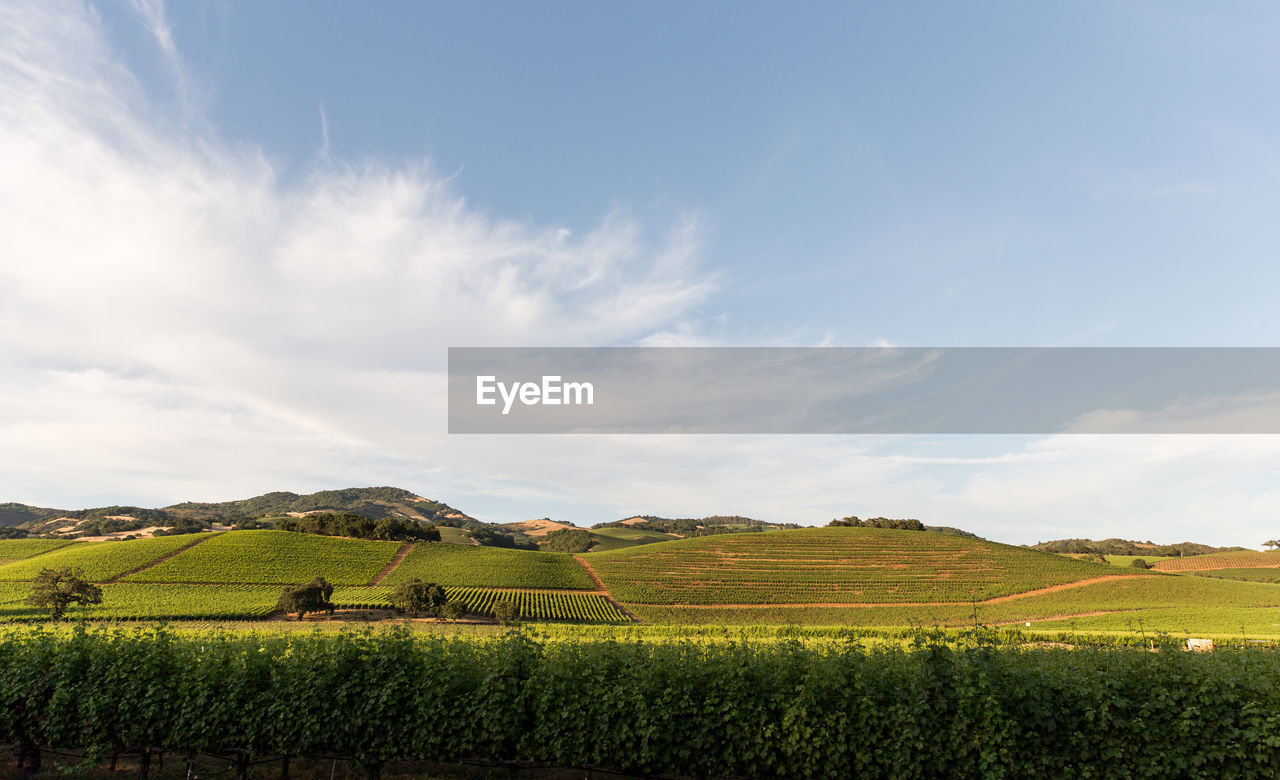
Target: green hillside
274,558
491,567
832,565
17,549
100,561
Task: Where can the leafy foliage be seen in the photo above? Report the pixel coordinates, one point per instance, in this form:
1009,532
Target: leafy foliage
360,527
1126,547
59,588
675,708
417,597
315,596
568,540
507,612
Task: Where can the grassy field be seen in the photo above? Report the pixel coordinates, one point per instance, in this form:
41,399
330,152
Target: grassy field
100,561
1268,574
1127,560
450,535
490,567
832,565
1248,559
274,557
618,538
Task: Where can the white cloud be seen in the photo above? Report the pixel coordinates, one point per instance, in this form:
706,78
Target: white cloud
177,322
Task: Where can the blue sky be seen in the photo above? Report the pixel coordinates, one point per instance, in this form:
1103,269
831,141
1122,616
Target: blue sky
244,234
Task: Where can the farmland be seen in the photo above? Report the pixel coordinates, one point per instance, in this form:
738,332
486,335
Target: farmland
274,558
17,549
100,561
1226,560
832,565
490,567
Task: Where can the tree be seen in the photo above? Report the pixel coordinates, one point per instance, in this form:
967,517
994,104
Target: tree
1139,563
507,612
312,597
454,610
1273,543
418,597
58,588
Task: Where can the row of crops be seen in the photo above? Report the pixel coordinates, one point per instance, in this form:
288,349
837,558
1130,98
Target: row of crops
532,605
136,601
1172,604
648,708
100,561
493,567
17,549
1240,559
274,557
832,565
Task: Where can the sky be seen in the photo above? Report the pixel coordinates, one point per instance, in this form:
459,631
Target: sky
237,239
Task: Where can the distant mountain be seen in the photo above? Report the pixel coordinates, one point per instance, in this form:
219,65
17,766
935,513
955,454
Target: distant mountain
375,502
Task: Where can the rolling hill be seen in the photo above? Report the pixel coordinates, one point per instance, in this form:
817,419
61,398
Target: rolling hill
826,576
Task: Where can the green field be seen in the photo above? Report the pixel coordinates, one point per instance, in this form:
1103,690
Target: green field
1247,559
1127,560
450,535
17,549
832,565
490,567
100,561
1173,604
274,557
1269,574
614,538
856,577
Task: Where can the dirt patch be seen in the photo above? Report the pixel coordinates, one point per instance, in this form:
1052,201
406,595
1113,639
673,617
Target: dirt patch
400,555
540,527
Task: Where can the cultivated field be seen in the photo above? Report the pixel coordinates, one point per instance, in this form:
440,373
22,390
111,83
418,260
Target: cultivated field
101,561
490,567
832,566
1226,560
274,558
16,549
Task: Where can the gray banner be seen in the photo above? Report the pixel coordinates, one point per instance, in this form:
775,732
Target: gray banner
864,390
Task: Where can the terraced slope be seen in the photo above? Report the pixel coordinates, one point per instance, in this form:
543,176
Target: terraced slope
101,561
1248,559
490,567
833,566
274,557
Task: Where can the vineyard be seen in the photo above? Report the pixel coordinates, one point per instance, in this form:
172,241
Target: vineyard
492,567
670,708
832,565
1248,559
100,561
17,549
532,604
1172,604
274,557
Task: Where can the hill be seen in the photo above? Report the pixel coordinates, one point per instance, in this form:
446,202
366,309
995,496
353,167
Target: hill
1127,547
818,576
374,502
832,565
